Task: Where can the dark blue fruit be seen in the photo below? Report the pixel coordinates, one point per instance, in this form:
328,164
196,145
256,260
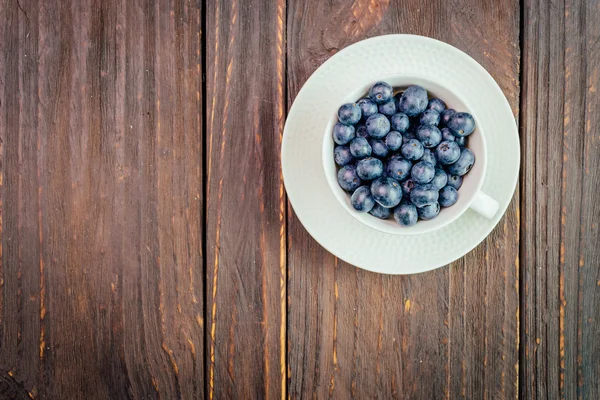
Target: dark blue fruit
379,148
400,122
377,126
362,200
422,172
445,116
342,155
461,124
406,136
430,117
412,149
360,148
342,134
413,101
386,191
348,178
447,135
440,178
398,168
369,168
448,196
380,212
461,141
349,113
393,140
455,181
429,157
463,164
447,152
407,186
367,107
381,92
430,136
422,195
388,109
361,131
437,105
406,214
429,211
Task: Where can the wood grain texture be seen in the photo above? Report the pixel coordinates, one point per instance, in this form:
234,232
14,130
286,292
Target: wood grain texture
449,333
246,231
101,271
560,211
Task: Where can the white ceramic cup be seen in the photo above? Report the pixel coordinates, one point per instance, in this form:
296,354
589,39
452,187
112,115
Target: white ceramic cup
469,194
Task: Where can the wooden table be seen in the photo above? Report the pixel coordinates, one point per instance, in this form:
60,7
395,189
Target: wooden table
148,249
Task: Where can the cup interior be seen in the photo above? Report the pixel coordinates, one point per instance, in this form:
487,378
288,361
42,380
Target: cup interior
471,182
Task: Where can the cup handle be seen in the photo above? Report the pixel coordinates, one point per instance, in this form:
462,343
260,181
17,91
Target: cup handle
484,205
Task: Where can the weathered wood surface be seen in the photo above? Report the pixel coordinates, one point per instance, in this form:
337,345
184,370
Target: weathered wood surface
246,237
147,249
560,253
452,332
101,281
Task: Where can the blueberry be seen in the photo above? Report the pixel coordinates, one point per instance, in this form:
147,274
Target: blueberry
381,92
461,141
455,181
348,178
377,126
379,148
386,192
367,107
446,115
430,117
447,153
448,196
407,185
361,131
380,212
342,134
362,200
413,101
360,148
398,168
369,168
447,135
422,172
406,136
400,122
429,211
422,195
412,149
429,157
388,109
393,140
463,164
349,113
430,136
406,214
440,178
342,155
461,124
437,105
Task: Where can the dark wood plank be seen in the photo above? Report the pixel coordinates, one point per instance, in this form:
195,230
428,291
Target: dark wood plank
246,241
101,269
560,210
450,333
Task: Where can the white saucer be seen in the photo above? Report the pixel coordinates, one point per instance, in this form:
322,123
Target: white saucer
310,195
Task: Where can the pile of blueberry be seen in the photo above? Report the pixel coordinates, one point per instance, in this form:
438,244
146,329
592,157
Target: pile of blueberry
404,154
